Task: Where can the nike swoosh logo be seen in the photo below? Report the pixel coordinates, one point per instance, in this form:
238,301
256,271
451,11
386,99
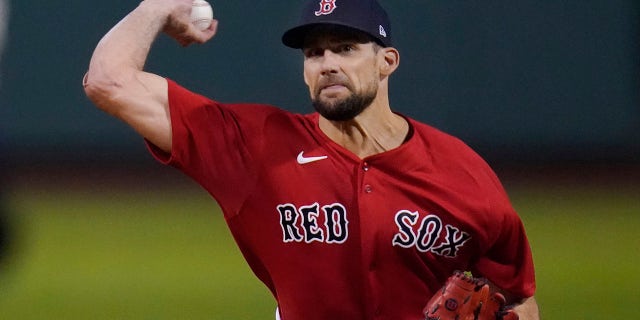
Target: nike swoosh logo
304,160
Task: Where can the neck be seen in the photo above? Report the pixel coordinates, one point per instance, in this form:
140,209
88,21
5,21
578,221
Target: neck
377,129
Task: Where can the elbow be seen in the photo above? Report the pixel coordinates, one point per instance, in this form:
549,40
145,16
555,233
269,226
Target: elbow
91,89
101,89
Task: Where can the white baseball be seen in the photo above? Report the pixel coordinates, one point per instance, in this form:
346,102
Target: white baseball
201,14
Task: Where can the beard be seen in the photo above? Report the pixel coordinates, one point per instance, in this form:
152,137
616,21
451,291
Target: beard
347,108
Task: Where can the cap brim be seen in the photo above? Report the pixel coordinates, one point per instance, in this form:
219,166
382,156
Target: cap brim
294,37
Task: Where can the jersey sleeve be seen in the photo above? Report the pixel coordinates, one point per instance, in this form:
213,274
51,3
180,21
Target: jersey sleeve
213,143
508,261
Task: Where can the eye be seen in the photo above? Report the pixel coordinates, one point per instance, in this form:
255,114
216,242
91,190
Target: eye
347,48
313,52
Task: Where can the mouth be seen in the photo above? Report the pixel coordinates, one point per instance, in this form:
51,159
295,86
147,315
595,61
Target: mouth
332,87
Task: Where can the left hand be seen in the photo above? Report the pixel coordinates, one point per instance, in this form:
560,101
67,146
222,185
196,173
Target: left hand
467,298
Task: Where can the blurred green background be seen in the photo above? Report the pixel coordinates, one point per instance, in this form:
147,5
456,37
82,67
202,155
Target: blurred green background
547,92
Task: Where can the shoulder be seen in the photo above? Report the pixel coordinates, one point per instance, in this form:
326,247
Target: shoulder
463,169
440,143
453,157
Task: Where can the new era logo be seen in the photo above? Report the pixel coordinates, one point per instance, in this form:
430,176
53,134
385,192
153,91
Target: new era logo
382,31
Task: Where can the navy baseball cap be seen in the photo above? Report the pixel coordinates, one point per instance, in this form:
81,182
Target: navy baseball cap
362,15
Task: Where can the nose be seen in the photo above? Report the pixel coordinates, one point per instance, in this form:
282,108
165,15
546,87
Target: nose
329,62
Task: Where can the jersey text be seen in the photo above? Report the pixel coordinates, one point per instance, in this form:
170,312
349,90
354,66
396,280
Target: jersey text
312,223
427,236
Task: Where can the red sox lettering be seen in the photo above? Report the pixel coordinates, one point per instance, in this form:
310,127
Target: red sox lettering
428,234
301,224
304,224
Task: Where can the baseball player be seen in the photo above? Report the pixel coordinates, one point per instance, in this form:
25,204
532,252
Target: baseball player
353,211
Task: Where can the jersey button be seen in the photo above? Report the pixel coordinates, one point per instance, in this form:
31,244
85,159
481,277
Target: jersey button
368,188
365,166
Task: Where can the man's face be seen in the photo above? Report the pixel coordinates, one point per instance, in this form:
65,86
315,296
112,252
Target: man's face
341,72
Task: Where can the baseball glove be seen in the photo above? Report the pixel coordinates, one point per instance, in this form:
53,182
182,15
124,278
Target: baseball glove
466,298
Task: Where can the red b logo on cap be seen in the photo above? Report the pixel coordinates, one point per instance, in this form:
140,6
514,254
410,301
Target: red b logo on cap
326,7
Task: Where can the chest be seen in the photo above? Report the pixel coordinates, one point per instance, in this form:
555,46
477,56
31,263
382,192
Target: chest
323,198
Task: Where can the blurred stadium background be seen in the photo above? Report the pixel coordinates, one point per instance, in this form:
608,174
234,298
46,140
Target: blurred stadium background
547,92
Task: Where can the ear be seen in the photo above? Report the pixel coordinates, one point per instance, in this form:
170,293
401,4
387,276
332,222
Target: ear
390,60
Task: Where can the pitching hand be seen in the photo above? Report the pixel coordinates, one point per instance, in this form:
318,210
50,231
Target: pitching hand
178,23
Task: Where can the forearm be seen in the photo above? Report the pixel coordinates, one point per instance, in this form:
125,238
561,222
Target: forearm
126,46
116,82
528,309
119,57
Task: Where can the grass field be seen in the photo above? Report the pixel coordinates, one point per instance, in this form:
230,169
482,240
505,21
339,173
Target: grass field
96,250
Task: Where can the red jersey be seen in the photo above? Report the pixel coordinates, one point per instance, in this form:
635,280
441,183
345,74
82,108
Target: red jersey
334,236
